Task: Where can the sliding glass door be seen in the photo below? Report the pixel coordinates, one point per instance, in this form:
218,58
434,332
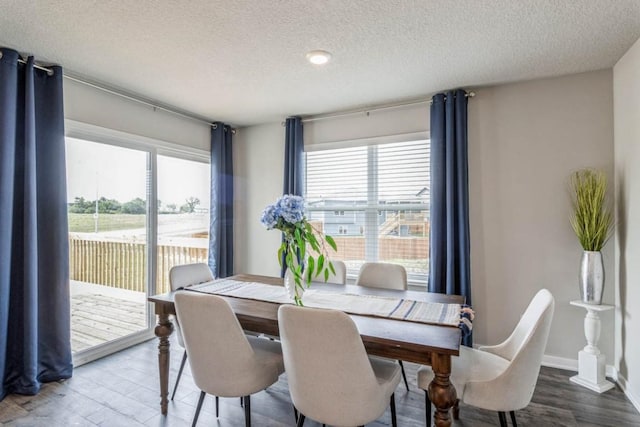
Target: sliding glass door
108,196
137,207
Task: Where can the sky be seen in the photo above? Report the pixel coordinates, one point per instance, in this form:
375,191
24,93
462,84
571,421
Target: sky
120,173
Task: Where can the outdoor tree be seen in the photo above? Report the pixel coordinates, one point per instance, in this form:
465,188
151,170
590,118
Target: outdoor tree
136,206
190,205
109,206
80,205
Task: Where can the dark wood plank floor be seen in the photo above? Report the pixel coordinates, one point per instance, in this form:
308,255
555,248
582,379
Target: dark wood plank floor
122,390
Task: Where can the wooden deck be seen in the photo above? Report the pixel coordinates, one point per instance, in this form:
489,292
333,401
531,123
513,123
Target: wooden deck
96,319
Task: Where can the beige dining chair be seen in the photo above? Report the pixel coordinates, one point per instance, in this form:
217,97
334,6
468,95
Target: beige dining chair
503,377
331,378
340,277
179,277
224,361
384,275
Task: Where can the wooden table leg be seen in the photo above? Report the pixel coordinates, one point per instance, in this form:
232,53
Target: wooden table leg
441,392
163,329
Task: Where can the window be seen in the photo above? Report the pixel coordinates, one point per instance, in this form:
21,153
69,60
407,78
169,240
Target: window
383,188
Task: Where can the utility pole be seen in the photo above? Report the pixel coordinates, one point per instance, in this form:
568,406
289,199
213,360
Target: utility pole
95,214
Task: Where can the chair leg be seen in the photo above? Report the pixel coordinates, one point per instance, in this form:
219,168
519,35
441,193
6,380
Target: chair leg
503,419
404,376
394,423
175,387
513,418
300,422
217,406
456,410
427,406
200,400
247,411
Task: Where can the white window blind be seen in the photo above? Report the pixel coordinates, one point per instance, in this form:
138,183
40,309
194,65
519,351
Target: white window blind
383,190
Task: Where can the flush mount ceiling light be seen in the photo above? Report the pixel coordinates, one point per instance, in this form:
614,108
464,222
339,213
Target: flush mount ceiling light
318,57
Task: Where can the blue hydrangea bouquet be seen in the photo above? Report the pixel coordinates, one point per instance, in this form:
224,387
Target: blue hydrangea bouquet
304,249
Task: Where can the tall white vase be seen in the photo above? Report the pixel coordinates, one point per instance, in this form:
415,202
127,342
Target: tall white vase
591,277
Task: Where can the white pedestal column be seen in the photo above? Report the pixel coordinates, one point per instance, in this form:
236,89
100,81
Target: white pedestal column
591,363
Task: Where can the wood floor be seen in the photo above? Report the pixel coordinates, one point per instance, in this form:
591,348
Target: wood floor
96,319
122,390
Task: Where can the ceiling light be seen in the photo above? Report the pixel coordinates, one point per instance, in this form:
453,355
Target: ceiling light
318,57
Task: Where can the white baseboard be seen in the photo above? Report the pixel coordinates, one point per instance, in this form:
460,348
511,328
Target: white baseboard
572,365
624,385
611,372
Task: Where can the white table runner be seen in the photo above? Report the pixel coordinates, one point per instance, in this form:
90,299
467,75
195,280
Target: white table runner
368,305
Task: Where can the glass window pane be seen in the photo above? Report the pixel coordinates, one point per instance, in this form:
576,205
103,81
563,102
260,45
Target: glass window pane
374,202
183,215
107,205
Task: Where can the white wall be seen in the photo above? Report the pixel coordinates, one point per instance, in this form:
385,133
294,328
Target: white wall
626,85
86,104
524,141
258,169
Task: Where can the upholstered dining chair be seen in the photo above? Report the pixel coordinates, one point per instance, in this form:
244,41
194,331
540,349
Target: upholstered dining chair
179,277
385,276
331,378
382,275
224,361
340,277
502,377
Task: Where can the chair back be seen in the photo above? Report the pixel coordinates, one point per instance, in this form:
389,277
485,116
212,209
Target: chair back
329,373
382,275
220,355
513,389
340,277
185,275
189,274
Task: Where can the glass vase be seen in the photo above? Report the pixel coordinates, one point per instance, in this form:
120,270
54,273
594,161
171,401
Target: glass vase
294,292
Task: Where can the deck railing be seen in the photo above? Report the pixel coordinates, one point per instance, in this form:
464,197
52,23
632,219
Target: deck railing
122,264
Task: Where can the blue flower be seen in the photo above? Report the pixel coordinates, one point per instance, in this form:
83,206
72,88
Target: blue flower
290,208
269,217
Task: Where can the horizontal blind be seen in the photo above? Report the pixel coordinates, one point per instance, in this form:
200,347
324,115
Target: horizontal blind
374,200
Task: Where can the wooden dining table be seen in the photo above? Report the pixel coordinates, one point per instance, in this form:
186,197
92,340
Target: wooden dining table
422,343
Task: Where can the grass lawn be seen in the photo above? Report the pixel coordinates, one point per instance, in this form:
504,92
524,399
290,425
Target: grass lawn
85,223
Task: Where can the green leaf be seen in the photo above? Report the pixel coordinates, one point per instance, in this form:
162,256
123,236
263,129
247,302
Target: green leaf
280,252
314,243
310,268
320,263
333,270
331,242
308,273
326,275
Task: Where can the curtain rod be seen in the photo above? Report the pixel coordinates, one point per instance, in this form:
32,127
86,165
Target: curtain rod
131,97
376,108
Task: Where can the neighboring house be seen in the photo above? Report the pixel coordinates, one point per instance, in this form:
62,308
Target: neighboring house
351,221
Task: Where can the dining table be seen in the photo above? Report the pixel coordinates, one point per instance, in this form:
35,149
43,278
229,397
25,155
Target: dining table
410,341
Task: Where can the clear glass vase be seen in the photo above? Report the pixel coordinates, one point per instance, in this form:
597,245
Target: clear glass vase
294,292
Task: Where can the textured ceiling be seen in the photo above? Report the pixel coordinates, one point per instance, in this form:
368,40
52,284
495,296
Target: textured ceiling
243,61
